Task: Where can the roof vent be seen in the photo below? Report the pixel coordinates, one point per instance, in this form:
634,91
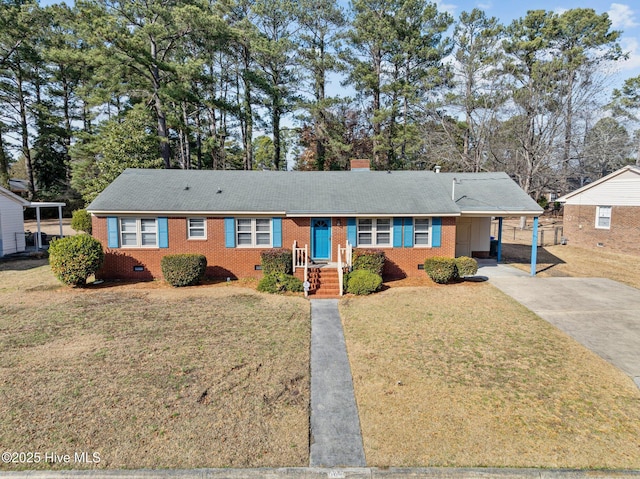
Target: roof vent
186,188
437,169
219,191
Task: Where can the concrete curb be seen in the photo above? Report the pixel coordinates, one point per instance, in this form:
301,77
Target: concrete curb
346,473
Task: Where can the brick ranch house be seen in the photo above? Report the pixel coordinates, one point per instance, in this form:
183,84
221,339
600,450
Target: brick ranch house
605,213
232,216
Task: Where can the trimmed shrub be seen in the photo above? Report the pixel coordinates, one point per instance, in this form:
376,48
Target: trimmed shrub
269,284
277,261
363,282
466,266
369,259
81,221
440,269
74,258
183,269
291,283
279,283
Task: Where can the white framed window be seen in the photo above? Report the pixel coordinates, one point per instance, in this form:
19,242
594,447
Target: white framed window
375,232
253,232
197,228
603,217
421,232
139,232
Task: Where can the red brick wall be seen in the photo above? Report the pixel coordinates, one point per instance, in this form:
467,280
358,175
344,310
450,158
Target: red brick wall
240,262
622,237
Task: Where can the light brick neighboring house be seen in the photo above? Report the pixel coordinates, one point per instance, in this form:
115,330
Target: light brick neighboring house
12,238
606,213
232,216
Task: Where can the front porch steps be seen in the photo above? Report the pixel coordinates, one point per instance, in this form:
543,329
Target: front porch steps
324,282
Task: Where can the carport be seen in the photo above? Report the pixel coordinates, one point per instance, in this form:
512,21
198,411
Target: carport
481,198
46,204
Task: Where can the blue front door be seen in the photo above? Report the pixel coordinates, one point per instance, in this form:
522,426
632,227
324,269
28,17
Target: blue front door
321,238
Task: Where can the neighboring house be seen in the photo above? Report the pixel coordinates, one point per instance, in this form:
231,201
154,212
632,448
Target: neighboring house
19,187
12,238
231,216
605,213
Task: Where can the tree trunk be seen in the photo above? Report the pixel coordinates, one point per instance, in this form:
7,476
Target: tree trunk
163,133
566,155
4,163
247,131
198,140
321,122
67,127
377,128
187,140
24,128
275,130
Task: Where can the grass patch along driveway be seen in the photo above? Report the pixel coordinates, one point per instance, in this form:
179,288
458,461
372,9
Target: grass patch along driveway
461,375
152,378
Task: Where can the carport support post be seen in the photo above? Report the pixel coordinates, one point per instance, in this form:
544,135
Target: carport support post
499,239
60,220
39,237
534,246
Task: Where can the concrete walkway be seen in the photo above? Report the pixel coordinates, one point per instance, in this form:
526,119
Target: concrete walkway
336,439
601,314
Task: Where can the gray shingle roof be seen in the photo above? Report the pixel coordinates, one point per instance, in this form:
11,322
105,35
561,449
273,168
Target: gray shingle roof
331,193
488,192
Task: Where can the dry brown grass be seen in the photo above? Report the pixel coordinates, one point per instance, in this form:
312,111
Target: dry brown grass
464,376
152,377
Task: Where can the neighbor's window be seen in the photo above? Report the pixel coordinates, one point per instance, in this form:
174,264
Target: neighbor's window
197,228
421,235
139,232
374,232
603,217
253,232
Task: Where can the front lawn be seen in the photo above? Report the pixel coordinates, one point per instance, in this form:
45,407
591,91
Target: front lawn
461,375
151,377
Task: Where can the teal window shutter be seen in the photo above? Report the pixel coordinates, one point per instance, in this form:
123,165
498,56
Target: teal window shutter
397,232
408,232
230,232
163,232
352,232
276,225
112,232
436,232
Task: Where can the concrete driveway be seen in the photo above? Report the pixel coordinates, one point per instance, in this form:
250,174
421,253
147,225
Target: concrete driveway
601,314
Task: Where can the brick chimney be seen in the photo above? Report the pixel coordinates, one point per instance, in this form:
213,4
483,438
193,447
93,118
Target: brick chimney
360,165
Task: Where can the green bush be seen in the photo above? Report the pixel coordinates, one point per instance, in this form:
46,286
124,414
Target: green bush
440,269
369,259
363,281
74,258
81,221
291,283
279,283
183,269
466,266
277,261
